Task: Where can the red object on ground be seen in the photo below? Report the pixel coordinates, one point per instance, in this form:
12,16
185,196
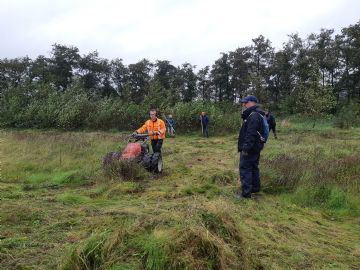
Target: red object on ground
132,150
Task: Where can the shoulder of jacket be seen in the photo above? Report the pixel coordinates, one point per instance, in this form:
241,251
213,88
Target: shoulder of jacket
257,115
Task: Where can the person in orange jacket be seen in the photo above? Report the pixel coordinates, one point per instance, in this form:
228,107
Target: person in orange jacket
155,127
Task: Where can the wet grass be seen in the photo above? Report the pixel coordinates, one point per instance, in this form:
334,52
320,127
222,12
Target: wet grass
60,210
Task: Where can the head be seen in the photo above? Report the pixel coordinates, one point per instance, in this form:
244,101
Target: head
266,112
170,116
203,113
153,114
249,101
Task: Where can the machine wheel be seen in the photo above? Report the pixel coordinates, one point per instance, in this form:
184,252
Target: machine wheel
157,163
153,162
147,161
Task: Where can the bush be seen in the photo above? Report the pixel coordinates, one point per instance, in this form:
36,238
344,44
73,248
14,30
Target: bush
74,111
348,116
222,116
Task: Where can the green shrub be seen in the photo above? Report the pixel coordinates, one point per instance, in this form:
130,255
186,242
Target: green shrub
348,116
74,112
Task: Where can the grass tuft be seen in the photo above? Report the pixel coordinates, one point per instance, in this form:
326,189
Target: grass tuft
125,170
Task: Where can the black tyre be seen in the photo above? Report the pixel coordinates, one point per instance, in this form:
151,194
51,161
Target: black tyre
144,148
153,162
147,161
157,163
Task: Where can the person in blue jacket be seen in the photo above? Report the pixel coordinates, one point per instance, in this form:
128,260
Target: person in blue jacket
170,122
250,146
204,121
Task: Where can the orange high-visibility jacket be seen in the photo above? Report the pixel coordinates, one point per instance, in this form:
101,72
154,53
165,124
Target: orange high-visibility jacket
151,127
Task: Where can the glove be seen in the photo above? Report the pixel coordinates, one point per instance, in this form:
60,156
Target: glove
244,153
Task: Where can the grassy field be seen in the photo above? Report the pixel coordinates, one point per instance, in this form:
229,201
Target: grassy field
59,209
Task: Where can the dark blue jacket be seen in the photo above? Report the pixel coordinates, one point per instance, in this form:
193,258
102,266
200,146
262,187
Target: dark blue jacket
249,139
204,120
170,121
271,120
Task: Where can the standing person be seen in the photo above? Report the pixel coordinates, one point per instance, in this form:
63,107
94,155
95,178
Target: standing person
155,127
250,146
204,120
170,122
271,121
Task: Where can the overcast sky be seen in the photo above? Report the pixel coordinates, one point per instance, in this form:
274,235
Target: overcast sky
175,30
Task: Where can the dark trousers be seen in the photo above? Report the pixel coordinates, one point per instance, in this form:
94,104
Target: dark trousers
205,131
156,145
249,174
273,128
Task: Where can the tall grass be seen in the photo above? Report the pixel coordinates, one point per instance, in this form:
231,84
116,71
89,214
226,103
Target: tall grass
56,197
320,167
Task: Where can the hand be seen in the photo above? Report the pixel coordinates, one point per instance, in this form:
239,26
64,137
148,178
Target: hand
134,133
157,133
244,153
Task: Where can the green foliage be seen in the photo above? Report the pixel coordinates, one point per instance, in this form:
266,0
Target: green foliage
44,112
12,105
348,116
304,77
223,117
74,109
315,100
113,114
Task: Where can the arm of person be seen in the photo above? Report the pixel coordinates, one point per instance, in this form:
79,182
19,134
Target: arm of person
142,129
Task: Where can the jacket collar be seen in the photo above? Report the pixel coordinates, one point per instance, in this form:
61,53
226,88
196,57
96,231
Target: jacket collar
248,111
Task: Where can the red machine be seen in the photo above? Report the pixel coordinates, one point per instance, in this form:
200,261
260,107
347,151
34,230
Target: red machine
137,149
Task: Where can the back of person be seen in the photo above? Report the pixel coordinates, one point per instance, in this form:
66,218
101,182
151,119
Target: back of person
271,121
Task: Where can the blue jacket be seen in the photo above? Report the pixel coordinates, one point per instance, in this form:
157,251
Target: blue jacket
249,139
170,121
204,120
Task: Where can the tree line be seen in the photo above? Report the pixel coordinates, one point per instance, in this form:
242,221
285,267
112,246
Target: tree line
307,75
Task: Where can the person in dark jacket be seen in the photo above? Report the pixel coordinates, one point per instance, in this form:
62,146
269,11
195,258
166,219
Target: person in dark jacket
250,146
204,121
271,121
